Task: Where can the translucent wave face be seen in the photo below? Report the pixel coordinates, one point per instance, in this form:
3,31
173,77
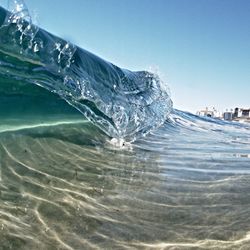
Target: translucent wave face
122,103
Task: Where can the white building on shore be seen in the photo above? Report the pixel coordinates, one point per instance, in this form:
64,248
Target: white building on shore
209,113
238,114
242,114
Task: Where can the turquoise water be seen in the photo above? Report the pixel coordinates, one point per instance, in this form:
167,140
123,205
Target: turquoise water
170,180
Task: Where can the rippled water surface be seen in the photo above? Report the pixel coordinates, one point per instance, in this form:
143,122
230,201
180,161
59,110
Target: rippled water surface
186,186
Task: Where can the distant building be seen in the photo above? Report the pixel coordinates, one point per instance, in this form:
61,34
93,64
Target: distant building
228,116
209,113
241,114
238,114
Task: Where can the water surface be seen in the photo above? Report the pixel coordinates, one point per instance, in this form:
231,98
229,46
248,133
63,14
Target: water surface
182,183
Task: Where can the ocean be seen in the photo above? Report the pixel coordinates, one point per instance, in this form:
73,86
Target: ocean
93,156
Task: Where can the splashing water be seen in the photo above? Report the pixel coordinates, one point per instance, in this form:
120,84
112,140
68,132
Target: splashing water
122,103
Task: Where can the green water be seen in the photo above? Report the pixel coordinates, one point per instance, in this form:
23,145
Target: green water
64,186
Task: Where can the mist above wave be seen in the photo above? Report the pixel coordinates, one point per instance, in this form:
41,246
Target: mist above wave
122,103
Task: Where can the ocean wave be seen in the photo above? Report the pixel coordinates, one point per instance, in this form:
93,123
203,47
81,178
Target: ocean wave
65,184
124,104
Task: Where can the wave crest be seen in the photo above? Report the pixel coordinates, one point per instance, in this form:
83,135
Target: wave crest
122,103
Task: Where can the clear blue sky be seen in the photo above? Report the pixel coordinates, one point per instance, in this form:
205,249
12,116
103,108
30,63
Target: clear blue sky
201,47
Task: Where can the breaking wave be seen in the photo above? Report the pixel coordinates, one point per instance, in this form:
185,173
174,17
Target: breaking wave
124,104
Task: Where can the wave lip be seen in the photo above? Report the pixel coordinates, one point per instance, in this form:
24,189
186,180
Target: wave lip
122,103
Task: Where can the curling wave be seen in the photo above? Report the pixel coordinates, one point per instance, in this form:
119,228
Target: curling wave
122,103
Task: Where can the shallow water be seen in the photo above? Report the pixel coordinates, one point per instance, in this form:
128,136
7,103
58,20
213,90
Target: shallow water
65,184
184,186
